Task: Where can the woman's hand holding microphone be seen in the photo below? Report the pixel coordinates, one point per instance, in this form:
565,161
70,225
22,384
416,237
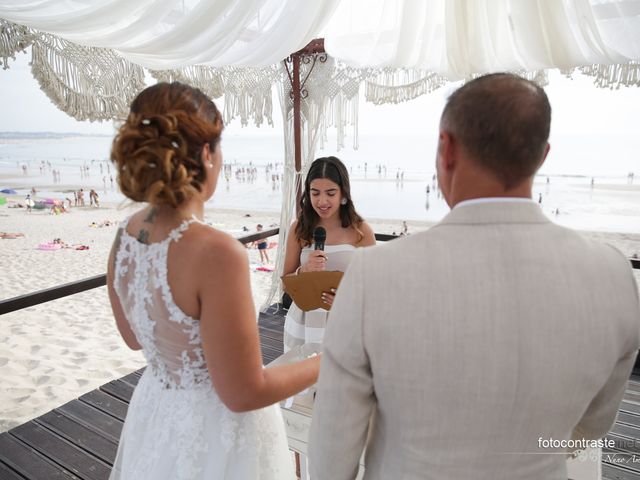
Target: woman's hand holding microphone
317,262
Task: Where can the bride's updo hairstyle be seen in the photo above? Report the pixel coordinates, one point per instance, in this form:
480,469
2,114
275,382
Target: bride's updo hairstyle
157,150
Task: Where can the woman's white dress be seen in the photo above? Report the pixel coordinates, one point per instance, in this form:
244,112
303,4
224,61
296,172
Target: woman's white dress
308,327
177,427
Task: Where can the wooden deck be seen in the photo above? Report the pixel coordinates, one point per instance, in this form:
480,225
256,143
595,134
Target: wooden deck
79,439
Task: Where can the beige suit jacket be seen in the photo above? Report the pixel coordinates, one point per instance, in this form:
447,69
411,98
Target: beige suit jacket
471,343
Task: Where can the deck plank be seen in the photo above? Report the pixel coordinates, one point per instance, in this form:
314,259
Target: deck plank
80,436
632,397
7,473
30,464
62,452
131,379
119,389
106,403
631,408
623,443
627,431
93,419
616,472
628,418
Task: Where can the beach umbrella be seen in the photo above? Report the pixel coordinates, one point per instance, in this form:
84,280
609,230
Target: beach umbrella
9,191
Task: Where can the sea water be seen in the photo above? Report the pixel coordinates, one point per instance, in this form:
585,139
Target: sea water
584,183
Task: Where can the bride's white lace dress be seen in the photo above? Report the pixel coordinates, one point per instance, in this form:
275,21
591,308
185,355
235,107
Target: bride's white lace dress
177,427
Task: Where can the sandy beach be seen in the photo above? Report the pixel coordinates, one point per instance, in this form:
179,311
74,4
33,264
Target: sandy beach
57,351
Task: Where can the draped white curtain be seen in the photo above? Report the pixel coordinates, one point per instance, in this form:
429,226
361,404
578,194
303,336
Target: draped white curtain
460,38
453,38
164,34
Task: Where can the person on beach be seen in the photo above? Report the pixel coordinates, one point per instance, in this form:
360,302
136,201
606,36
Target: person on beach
507,333
262,247
205,407
326,202
7,235
29,202
93,198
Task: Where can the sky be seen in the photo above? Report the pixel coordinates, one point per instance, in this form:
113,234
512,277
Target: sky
578,108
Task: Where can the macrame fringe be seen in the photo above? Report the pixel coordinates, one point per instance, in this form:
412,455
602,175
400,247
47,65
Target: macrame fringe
401,85
614,76
13,39
247,90
539,77
87,83
209,80
334,89
248,93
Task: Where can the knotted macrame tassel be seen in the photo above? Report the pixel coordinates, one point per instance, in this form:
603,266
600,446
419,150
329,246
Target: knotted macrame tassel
13,39
614,76
401,85
208,79
87,83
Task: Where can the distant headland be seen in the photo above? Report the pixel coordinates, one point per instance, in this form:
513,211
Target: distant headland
46,135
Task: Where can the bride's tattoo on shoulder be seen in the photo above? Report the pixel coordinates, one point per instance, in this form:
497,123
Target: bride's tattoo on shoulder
143,236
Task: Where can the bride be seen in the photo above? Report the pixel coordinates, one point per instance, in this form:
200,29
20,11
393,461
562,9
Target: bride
205,407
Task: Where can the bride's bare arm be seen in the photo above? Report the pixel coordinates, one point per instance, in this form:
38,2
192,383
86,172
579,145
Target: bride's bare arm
230,335
121,320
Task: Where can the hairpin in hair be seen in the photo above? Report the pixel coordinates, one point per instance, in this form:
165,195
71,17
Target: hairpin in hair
152,165
175,145
146,121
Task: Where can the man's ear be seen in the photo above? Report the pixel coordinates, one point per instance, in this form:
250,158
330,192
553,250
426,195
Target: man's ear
544,155
446,150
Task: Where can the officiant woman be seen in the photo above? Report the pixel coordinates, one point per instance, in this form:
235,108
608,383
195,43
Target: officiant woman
325,202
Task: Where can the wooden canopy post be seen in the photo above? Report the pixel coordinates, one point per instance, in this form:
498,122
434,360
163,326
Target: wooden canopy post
314,51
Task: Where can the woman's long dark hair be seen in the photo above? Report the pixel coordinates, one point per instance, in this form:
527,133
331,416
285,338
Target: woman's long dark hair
332,169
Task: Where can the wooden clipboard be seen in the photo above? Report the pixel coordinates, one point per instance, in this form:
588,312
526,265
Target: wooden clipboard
306,288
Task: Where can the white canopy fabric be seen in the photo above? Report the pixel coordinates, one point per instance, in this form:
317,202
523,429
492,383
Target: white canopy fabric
460,38
453,38
169,34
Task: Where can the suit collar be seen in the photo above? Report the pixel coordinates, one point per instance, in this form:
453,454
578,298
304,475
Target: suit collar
496,212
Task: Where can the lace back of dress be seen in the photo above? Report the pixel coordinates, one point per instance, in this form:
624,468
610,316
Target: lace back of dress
170,339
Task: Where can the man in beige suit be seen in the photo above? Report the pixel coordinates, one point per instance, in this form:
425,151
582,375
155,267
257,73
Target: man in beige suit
492,335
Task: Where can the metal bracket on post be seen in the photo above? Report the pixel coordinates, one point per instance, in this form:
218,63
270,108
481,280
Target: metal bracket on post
312,53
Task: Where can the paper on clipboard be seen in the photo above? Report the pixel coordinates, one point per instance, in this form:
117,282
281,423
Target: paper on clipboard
306,288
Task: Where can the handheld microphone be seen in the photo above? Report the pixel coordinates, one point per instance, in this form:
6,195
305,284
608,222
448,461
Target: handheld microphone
319,236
